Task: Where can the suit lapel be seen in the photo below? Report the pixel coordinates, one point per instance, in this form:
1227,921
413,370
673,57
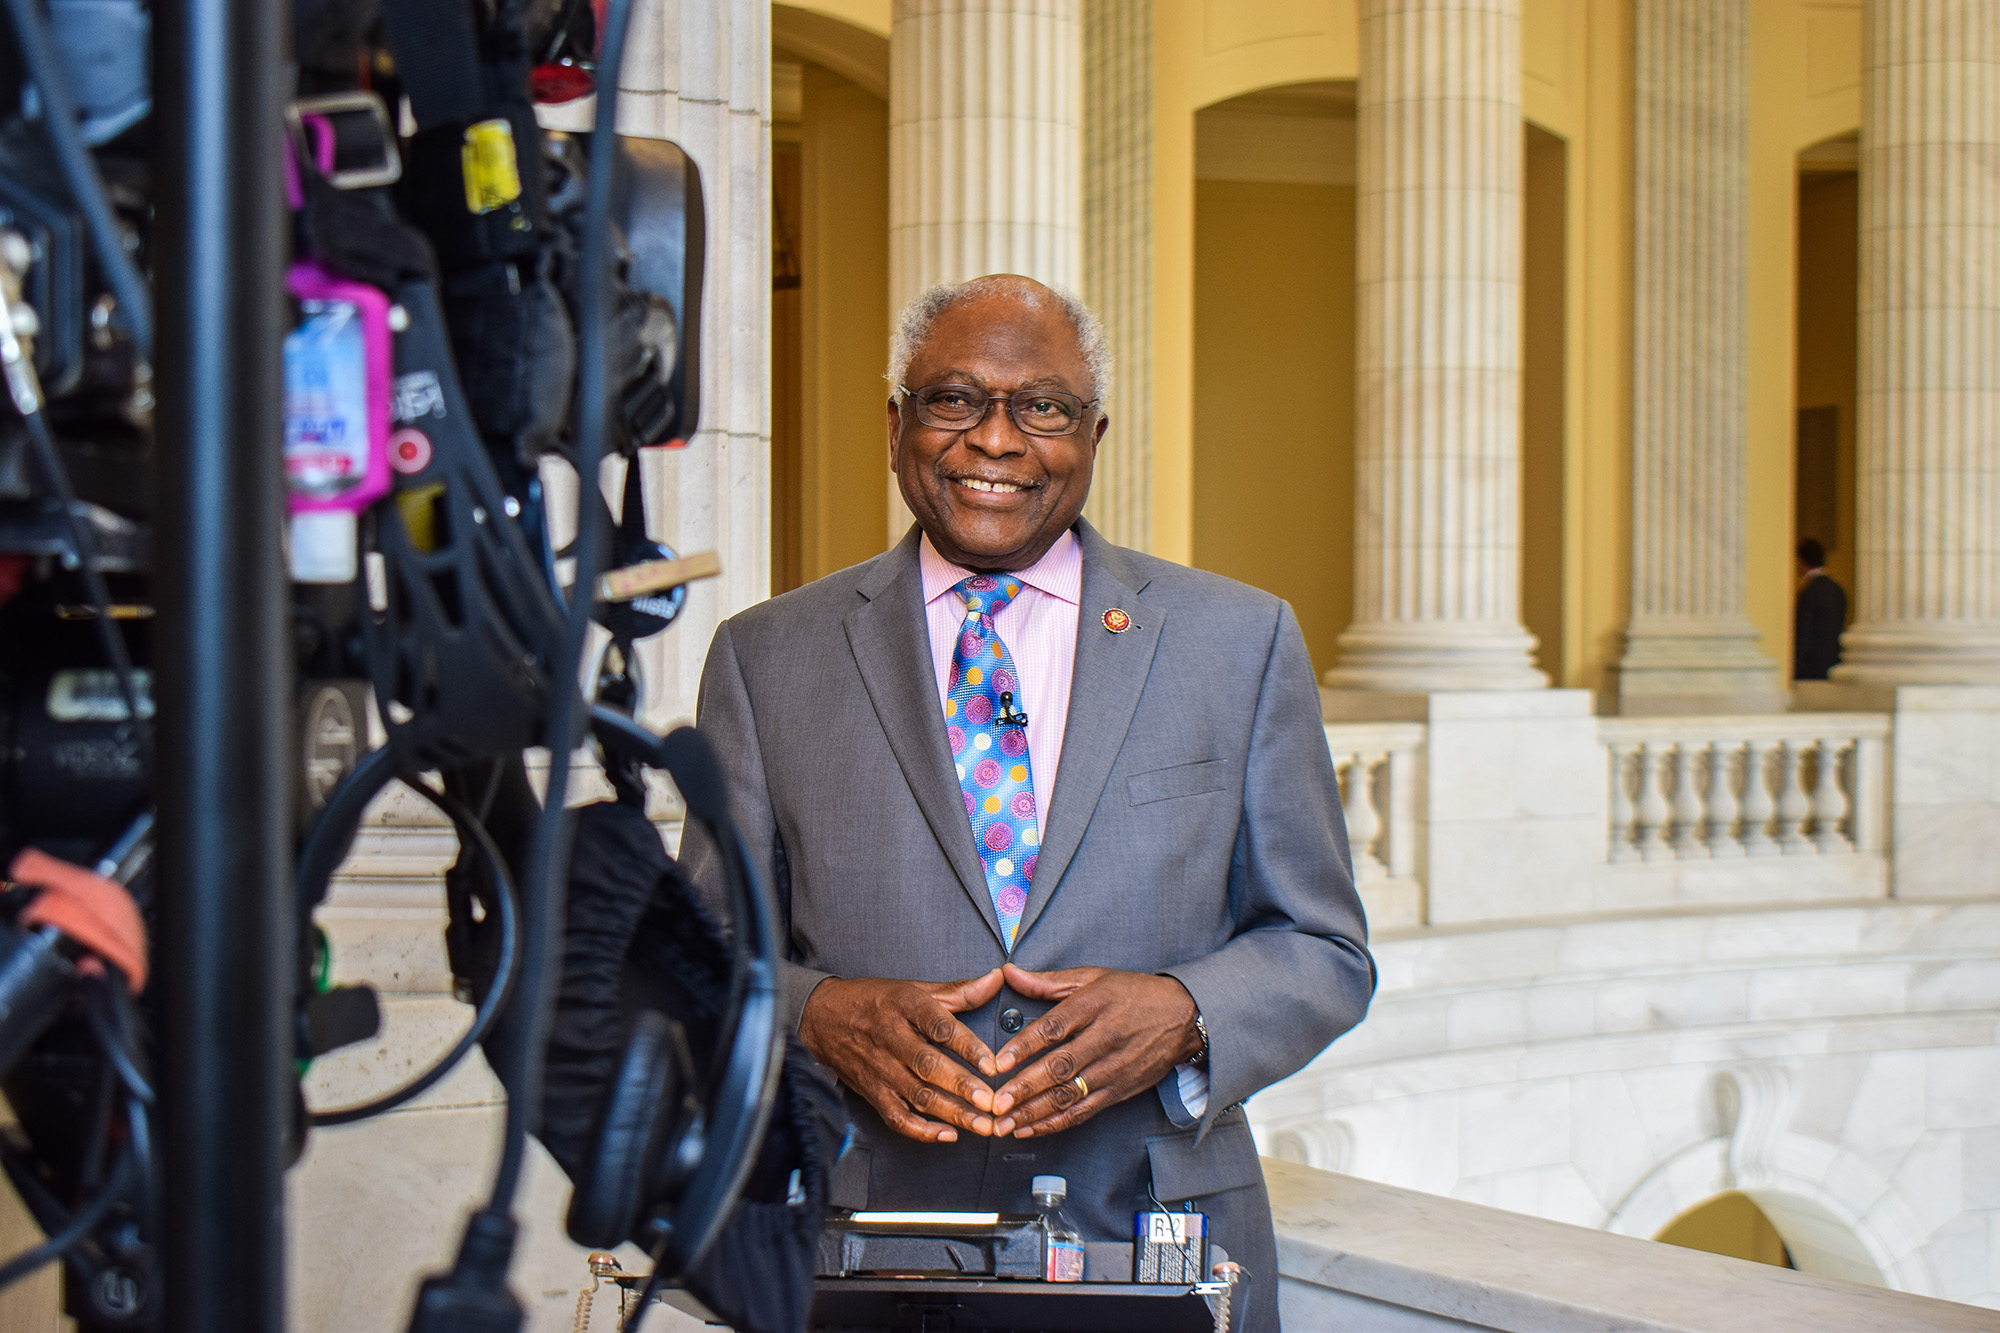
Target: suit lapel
891,645
1109,676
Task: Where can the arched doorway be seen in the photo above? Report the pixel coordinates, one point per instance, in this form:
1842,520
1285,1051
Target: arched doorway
1776,1226
1729,1224
830,298
1825,461
1274,349
1274,358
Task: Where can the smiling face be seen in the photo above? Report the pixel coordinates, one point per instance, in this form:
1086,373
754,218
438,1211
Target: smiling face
994,497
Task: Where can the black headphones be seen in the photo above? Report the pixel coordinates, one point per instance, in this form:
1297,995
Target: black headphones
672,1143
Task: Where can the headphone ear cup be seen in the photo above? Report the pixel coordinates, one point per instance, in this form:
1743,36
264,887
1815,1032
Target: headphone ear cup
624,1159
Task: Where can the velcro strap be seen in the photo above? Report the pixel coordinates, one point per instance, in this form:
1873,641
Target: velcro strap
96,912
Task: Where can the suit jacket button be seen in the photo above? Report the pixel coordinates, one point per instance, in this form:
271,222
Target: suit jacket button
1011,1020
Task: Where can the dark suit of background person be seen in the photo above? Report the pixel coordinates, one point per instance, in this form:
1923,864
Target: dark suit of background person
1818,616
1194,831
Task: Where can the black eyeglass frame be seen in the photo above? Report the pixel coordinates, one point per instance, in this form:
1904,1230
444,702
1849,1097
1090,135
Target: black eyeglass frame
1084,407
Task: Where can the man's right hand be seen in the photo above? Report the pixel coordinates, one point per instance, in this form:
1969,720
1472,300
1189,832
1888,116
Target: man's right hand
893,1042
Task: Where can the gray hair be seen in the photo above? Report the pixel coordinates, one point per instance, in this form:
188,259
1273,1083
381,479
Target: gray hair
913,324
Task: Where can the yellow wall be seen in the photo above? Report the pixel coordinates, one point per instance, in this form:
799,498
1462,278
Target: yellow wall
1274,395
1544,401
845,322
1204,52
869,15
1829,225
1730,1224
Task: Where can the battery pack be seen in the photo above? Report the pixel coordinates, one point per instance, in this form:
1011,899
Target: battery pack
1170,1247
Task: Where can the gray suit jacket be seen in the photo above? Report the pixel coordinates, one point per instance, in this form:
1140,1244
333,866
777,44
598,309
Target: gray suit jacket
1195,830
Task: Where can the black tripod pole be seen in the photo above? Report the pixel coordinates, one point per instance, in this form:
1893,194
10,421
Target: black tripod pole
224,781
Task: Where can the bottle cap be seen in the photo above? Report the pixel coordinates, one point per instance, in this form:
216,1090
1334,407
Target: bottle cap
1055,1185
325,546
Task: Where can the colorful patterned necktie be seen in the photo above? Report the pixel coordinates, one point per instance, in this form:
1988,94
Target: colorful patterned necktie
991,754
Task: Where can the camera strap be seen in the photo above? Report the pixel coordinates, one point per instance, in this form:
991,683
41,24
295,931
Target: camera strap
475,182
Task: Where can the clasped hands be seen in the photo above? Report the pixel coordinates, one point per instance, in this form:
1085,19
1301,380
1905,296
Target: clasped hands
901,1047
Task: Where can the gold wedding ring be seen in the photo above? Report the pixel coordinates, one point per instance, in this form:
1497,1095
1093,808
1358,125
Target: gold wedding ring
1082,1088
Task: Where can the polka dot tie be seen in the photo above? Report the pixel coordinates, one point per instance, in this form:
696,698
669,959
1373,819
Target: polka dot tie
992,756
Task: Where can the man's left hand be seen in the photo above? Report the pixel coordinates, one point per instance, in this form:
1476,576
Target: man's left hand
1121,1032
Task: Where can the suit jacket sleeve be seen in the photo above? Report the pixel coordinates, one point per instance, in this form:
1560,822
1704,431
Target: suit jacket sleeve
1297,972
724,715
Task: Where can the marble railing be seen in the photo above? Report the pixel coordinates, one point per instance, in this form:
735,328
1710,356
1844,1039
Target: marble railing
1354,1254
1378,766
1698,788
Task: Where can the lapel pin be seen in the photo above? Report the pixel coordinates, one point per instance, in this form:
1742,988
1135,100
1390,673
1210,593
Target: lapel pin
1117,621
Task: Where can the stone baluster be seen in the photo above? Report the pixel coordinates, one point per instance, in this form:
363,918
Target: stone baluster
1364,822
1928,507
985,148
1721,801
1623,846
1757,804
1864,811
1792,805
1829,800
1401,813
1687,806
1438,293
1651,816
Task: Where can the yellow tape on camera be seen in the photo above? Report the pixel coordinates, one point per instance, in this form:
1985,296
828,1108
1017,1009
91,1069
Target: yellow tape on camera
492,175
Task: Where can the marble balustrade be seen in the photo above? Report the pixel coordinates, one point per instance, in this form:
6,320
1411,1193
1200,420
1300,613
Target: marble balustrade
1377,767
1797,784
1357,1254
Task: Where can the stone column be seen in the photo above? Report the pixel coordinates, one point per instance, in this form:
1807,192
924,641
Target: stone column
698,72
1929,427
985,148
1689,647
1118,251
1438,270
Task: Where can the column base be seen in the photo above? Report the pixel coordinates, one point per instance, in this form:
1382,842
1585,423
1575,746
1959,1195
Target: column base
1920,653
1435,656
1681,665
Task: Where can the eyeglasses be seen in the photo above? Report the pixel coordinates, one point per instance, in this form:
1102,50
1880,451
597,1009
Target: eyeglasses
960,407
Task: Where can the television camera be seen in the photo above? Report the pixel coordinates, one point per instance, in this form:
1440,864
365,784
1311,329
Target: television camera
471,304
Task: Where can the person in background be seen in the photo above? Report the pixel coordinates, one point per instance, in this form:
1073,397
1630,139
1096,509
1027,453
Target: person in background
1818,617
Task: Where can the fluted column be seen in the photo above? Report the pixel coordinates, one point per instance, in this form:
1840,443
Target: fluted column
1929,427
1438,268
1118,251
985,147
698,72
1689,646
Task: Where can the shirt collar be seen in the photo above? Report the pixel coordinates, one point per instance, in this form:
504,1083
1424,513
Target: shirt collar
1059,572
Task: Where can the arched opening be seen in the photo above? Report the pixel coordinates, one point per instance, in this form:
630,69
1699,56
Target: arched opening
1729,1224
830,294
1779,1227
1274,349
1826,462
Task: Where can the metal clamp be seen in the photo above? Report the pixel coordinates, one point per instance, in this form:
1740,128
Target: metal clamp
325,107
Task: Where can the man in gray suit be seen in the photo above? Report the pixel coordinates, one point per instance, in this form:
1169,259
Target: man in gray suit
1128,950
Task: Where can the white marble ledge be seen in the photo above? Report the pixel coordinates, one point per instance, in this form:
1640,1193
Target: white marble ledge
1469,1265
1746,727
1676,936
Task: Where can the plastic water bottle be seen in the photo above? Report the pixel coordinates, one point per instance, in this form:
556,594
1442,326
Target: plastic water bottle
1062,1255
